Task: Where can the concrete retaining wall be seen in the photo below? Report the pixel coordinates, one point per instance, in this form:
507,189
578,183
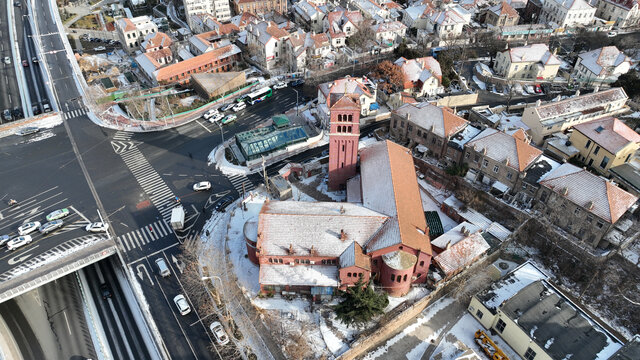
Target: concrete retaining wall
458,100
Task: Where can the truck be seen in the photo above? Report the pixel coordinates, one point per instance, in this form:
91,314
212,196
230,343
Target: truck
177,218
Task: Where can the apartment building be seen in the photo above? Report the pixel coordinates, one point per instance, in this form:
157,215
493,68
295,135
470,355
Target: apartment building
501,15
602,65
310,15
625,13
267,40
567,13
558,116
132,31
219,9
448,23
529,62
260,7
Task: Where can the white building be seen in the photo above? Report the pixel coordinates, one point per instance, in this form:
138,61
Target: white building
567,13
390,33
218,8
448,23
340,25
625,13
310,14
132,31
266,39
372,10
601,65
422,76
362,88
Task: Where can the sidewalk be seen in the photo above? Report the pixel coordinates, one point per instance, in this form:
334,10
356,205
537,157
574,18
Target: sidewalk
255,335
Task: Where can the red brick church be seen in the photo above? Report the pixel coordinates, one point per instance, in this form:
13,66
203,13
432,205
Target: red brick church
313,248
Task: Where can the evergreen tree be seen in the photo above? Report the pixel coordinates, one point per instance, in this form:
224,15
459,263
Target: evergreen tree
360,303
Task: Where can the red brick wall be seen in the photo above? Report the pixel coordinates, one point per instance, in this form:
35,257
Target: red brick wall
343,146
354,272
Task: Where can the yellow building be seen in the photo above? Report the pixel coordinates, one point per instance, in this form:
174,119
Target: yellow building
537,321
531,62
604,143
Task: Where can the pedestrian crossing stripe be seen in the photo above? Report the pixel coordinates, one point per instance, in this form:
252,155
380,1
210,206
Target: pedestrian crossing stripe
238,180
74,113
122,136
145,235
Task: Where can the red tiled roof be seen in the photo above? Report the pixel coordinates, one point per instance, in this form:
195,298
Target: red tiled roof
610,133
506,9
178,69
126,24
157,40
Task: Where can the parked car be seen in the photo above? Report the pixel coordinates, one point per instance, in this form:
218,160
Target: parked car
242,98
612,34
226,107
239,106
217,117
182,304
223,203
105,290
298,82
25,63
280,85
28,228
4,239
7,60
58,214
207,115
27,131
18,242
218,332
50,226
97,227
537,89
100,48
201,186
229,118
6,114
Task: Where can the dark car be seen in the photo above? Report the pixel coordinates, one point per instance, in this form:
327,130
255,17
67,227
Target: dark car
295,83
242,98
105,290
4,239
17,113
223,203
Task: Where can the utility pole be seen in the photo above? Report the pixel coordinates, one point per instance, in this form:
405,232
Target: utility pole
264,174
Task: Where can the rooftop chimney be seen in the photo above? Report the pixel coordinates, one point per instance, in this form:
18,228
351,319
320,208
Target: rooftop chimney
343,235
290,249
565,191
341,209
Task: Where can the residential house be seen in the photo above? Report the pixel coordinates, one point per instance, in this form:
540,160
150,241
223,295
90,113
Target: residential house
501,15
362,88
206,22
303,48
202,43
602,65
499,159
389,34
259,7
528,185
538,321
583,204
427,125
567,13
625,13
395,10
314,248
604,143
458,248
417,16
312,16
532,12
219,9
151,61
267,40
448,23
372,10
422,76
340,25
529,62
558,116
155,41
627,176
222,58
243,20
132,31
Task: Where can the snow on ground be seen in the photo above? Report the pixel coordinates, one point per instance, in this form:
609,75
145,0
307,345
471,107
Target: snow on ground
188,100
424,317
634,115
480,83
334,195
415,294
367,141
216,156
464,331
429,204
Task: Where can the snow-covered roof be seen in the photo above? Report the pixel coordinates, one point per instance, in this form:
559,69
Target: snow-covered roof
513,150
420,69
504,289
399,260
464,136
440,121
389,186
504,8
593,193
349,86
447,17
475,218
299,275
454,235
199,43
533,53
309,10
572,4
391,26
599,61
610,133
157,39
265,31
625,4
462,253
354,190
282,222
582,103
415,12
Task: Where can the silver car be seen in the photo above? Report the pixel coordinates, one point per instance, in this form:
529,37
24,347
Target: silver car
51,226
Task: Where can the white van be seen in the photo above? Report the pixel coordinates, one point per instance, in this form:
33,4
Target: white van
163,269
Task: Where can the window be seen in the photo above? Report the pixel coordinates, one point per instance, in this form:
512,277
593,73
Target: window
422,263
589,218
595,152
576,211
476,158
280,261
479,314
375,262
510,175
395,123
485,163
599,224
402,124
467,155
393,277
404,278
495,169
543,197
342,147
297,261
419,132
399,278
360,274
348,274
627,159
529,354
270,260
433,141
588,144
604,162
409,127
500,325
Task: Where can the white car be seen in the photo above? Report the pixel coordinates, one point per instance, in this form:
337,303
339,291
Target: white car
28,228
7,60
100,48
612,34
280,85
202,186
97,227
218,331
182,304
18,242
239,106
215,118
207,115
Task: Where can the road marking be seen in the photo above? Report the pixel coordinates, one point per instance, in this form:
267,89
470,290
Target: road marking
199,123
140,274
67,320
80,214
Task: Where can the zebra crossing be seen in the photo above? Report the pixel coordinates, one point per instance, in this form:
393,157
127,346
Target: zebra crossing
159,193
145,235
238,180
75,113
123,136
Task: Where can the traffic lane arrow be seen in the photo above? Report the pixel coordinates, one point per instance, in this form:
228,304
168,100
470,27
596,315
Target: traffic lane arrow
141,274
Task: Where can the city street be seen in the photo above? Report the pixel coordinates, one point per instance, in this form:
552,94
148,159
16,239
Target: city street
10,97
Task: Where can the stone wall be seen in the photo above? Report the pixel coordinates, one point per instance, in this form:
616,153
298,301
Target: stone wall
458,100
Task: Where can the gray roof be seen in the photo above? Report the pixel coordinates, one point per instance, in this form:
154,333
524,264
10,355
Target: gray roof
629,174
557,325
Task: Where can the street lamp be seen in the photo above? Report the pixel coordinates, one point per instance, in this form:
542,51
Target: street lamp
219,122
296,101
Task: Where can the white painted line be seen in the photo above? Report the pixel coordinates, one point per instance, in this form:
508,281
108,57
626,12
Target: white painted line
136,240
199,123
143,239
